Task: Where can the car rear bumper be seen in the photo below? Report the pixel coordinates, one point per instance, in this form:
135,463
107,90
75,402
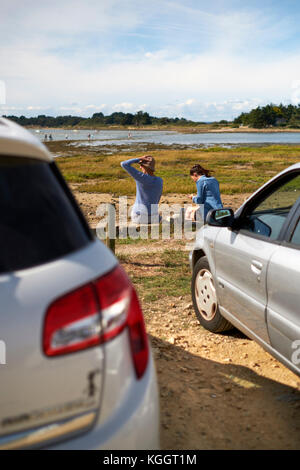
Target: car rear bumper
134,426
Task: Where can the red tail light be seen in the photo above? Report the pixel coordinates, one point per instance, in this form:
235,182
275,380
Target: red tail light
138,336
72,322
94,314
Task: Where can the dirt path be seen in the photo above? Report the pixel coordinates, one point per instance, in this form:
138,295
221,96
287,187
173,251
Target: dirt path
216,391
219,391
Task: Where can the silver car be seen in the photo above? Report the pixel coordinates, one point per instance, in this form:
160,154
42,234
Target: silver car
75,364
246,268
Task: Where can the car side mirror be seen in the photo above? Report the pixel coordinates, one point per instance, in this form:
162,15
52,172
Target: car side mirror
220,217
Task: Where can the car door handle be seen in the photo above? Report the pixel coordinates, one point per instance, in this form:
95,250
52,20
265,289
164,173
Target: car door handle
256,266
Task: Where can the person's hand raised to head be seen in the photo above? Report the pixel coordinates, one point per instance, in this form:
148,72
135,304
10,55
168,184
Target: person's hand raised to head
146,158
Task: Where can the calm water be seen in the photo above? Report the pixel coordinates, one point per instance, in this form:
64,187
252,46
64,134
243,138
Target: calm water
109,137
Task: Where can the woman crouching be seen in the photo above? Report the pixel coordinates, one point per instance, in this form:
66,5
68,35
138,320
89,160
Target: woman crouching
208,191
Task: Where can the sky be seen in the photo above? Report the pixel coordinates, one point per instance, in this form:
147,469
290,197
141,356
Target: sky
188,58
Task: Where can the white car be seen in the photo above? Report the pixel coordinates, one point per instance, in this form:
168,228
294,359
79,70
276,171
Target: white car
246,268
75,364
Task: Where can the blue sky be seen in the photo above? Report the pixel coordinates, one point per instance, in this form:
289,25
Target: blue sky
187,58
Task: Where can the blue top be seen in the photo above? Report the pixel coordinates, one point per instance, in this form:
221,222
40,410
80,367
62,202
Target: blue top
208,194
148,189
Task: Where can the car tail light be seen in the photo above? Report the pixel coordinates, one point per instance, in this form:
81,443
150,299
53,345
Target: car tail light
94,314
72,322
138,336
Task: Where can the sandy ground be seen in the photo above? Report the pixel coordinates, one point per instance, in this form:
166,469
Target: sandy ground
216,391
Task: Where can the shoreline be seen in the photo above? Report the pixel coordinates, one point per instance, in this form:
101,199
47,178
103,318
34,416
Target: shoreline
180,130
66,148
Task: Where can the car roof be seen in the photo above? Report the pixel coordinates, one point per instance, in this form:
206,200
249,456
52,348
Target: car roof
17,141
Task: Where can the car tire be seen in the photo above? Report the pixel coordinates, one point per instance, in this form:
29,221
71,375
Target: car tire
205,300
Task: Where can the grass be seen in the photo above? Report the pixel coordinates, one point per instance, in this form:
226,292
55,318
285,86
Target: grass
239,170
168,274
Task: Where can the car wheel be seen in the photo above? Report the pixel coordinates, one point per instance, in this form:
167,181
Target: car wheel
205,298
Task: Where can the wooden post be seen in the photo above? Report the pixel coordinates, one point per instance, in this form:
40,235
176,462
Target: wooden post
111,227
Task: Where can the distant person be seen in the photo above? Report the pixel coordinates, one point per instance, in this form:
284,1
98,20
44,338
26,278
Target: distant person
89,136
148,189
208,191
46,137
66,137
50,137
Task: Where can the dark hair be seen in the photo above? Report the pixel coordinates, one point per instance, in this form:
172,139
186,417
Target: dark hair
199,170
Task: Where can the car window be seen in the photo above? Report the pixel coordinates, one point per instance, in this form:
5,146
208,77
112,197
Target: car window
296,235
268,216
38,220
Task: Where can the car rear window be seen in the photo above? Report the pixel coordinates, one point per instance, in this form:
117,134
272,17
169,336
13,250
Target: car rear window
39,220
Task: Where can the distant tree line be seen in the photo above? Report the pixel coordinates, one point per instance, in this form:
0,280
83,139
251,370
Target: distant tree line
98,120
261,117
271,116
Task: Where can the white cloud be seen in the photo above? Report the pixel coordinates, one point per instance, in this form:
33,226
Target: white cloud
296,92
8,109
123,107
94,107
71,109
2,92
159,55
210,78
188,102
62,22
72,52
34,108
129,107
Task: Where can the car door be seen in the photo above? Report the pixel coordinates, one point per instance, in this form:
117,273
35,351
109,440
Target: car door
283,308
242,255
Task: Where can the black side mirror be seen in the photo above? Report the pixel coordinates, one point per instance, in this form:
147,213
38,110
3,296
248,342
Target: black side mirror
220,217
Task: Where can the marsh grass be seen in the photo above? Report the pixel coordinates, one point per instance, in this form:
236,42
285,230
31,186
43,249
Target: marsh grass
239,170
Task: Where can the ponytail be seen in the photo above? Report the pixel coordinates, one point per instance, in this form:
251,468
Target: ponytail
199,170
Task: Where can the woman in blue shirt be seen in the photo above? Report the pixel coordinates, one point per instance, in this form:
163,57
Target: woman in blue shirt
208,191
148,189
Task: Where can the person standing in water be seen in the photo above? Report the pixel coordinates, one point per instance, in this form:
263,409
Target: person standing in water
148,189
208,191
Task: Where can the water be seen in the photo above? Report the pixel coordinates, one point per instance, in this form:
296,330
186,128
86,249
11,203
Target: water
118,137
